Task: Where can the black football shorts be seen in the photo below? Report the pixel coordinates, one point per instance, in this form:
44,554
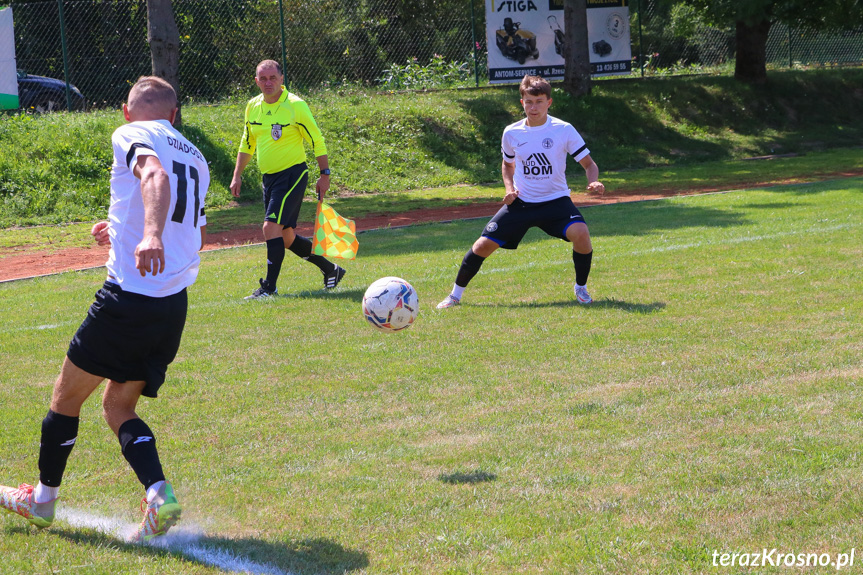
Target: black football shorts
283,194
511,223
130,337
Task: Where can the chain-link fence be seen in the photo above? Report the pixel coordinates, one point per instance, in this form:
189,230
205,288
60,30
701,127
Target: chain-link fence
221,41
101,46
671,39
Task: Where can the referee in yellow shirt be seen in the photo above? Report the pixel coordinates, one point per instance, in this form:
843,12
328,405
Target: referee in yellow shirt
276,125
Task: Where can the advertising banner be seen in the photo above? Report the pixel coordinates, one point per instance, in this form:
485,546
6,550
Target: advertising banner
526,37
8,71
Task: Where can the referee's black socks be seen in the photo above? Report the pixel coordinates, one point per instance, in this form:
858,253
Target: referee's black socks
303,248
275,257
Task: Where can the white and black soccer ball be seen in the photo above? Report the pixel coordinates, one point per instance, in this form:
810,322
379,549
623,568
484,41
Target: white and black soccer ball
391,304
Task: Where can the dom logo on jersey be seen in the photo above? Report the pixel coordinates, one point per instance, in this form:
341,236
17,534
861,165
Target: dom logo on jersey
537,165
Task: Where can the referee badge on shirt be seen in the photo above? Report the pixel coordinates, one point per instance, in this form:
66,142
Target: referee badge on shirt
276,132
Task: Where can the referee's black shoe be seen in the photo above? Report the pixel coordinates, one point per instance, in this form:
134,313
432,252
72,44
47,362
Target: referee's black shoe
333,278
264,291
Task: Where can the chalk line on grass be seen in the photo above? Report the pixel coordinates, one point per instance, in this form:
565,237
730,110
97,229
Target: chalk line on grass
187,540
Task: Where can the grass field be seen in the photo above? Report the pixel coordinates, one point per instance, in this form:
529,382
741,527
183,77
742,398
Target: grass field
707,402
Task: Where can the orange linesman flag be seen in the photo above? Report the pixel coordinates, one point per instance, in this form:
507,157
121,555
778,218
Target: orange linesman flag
335,236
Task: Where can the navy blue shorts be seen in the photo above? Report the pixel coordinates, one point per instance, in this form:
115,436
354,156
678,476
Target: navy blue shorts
283,194
130,337
511,223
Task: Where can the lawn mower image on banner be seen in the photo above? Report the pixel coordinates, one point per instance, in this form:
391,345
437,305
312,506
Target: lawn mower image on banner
516,44
602,48
558,34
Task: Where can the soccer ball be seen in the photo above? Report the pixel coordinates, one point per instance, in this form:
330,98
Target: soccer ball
391,304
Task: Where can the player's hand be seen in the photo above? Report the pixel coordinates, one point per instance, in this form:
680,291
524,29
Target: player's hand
510,197
236,183
596,187
99,231
150,256
321,187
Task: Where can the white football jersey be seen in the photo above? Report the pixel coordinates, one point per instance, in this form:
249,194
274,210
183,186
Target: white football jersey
540,155
190,179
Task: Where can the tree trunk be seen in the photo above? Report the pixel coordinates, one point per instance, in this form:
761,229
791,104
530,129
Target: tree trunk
576,57
164,39
751,44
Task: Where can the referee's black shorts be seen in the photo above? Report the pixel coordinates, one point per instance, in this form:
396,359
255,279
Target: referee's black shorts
511,223
283,194
130,337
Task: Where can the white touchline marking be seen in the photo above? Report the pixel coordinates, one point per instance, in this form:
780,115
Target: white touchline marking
187,540
743,239
12,329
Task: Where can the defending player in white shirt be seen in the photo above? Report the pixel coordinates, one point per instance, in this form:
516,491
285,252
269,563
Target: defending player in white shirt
534,175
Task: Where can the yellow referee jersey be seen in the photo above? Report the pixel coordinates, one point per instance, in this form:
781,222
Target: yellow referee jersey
277,132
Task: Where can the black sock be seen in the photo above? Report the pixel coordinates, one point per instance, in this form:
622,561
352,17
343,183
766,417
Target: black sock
275,257
582,266
139,449
59,433
303,248
469,267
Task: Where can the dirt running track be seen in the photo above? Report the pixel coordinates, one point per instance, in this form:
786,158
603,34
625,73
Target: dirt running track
20,263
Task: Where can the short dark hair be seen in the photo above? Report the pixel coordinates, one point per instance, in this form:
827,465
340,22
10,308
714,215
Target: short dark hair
535,86
267,64
155,93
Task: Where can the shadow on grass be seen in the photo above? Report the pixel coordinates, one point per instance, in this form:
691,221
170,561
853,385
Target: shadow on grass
343,294
244,555
469,478
625,219
607,303
769,206
640,308
640,219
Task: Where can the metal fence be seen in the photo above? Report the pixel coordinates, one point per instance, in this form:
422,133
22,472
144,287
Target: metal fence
101,46
669,43
221,41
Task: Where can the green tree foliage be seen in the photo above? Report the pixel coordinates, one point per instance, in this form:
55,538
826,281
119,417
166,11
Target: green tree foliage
752,20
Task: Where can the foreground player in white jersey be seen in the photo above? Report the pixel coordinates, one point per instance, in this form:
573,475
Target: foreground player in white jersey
534,165
132,331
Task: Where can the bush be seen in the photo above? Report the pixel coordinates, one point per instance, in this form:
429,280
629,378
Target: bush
437,74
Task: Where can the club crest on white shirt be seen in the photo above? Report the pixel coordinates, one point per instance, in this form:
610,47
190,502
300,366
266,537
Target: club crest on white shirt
276,132
547,143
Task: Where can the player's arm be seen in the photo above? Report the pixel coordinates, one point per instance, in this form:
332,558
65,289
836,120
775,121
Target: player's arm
248,144
243,160
309,129
591,170
99,231
156,196
508,171
202,224
323,183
